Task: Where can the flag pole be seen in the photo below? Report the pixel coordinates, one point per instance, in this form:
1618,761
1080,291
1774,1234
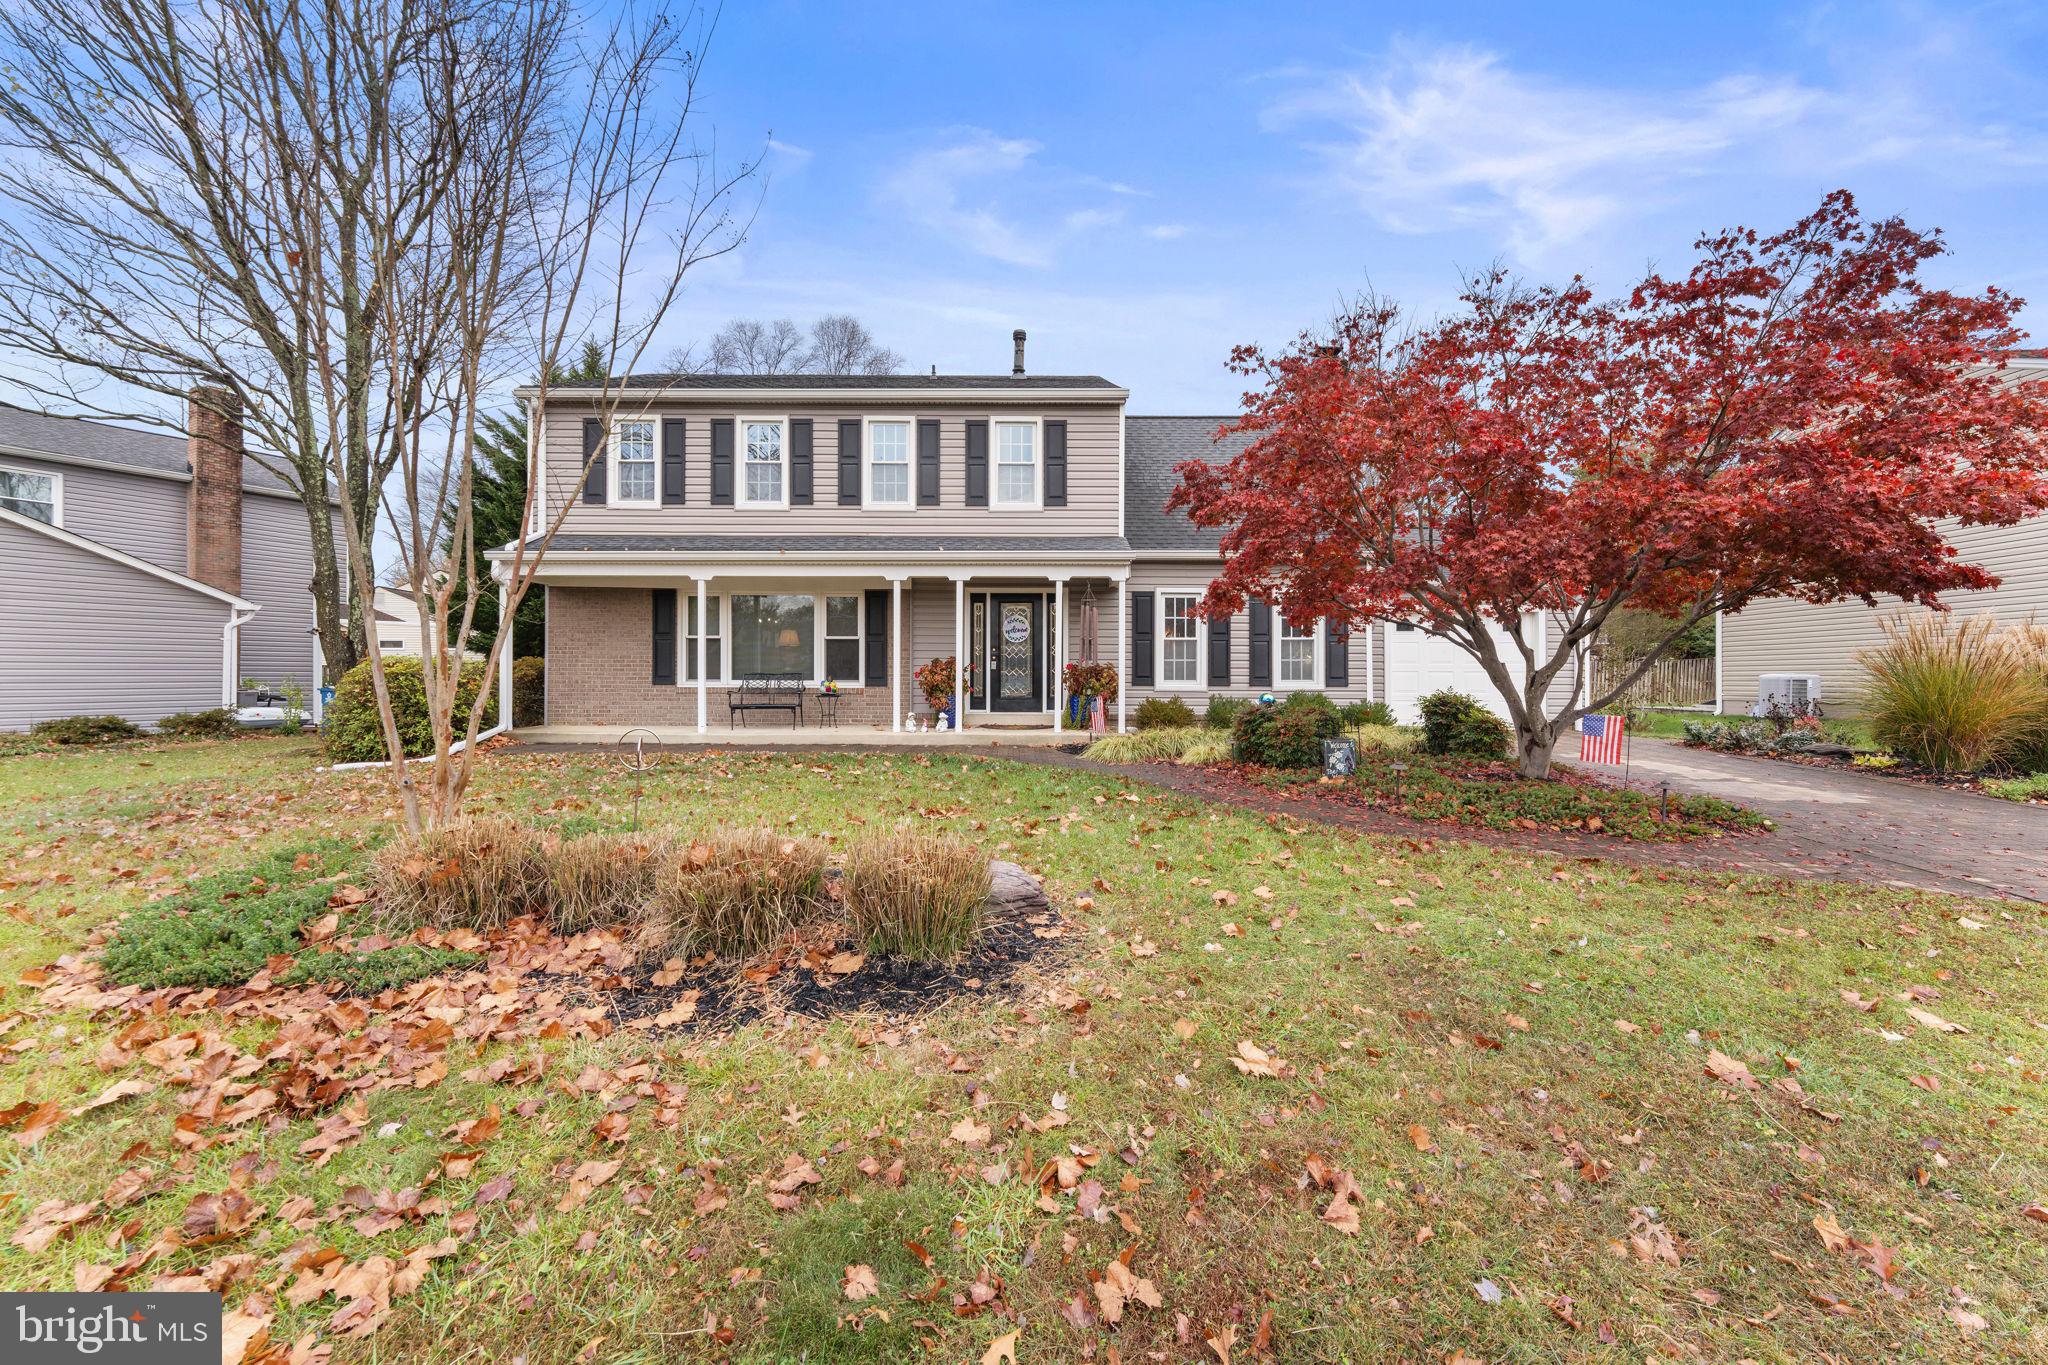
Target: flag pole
1628,743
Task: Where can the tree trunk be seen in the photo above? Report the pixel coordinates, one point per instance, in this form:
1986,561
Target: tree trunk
1534,747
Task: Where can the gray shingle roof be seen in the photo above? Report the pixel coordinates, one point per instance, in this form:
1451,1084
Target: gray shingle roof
864,381
76,438
842,544
1152,447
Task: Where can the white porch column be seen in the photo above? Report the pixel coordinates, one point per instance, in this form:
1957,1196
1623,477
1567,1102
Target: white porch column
896,653
1123,650
959,652
504,655
1059,652
703,652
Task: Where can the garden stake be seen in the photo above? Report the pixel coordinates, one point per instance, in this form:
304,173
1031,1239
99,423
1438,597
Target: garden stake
1400,772
639,764
1664,801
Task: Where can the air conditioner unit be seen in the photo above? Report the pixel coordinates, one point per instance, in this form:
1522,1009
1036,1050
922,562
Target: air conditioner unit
1796,692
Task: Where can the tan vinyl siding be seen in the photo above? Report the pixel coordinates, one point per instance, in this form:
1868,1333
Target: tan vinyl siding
1093,478
133,513
83,635
1781,635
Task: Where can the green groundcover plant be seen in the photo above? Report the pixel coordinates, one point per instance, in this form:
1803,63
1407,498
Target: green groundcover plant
227,925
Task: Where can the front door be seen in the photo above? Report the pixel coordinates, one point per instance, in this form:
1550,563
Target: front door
1016,663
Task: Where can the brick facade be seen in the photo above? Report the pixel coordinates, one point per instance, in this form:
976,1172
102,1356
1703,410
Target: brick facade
213,513
601,667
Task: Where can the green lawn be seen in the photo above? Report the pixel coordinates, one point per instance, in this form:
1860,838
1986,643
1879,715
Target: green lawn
1507,1055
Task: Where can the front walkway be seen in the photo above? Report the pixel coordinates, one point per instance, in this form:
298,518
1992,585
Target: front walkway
1836,822
769,735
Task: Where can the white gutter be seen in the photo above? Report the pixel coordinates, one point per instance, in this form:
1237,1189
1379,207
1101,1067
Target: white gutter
906,394
230,650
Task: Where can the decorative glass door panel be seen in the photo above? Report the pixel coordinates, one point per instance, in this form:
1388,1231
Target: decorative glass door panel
1017,681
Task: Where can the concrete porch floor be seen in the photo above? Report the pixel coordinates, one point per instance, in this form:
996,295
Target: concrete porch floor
803,736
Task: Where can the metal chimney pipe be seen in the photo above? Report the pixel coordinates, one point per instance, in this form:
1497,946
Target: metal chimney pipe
1017,363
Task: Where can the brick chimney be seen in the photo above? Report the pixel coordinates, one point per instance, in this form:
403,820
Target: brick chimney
213,503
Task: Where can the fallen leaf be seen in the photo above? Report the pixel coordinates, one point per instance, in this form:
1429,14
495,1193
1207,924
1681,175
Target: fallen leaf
859,1283
1001,1351
1722,1067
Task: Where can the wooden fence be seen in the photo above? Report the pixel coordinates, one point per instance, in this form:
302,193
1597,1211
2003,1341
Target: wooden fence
1670,682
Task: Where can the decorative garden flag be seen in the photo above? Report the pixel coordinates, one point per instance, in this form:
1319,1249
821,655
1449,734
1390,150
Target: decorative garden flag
1600,739
1098,717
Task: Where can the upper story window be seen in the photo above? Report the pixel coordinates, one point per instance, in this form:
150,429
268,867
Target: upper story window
1180,663
1298,654
38,496
764,478
634,459
889,464
1016,446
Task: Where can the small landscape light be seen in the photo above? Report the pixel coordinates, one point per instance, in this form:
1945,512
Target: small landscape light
1400,772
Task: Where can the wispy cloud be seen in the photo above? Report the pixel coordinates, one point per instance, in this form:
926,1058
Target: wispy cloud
1443,137
1166,232
992,196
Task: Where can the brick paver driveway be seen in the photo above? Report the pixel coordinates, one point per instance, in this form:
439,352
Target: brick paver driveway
1840,823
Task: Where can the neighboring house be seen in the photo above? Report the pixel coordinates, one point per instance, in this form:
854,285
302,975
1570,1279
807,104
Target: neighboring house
400,625
1784,636
854,527
144,574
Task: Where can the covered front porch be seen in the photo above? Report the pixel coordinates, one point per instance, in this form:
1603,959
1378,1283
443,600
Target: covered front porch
826,649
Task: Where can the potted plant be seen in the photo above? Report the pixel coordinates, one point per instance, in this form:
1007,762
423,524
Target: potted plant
935,680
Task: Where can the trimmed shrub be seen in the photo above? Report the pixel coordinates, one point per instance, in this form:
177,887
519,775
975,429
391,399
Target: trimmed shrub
1456,725
227,926
377,970
1164,713
736,894
1222,712
84,730
479,875
219,723
1955,696
603,879
1361,713
1290,735
356,735
529,690
915,895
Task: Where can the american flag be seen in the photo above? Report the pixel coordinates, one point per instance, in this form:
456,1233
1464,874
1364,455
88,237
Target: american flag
1600,739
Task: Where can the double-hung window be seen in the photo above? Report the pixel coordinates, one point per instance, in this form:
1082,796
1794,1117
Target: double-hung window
842,638
1180,662
714,656
1297,654
33,495
764,478
1016,446
634,458
889,464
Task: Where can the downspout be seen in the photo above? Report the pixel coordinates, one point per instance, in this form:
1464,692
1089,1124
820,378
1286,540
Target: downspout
230,650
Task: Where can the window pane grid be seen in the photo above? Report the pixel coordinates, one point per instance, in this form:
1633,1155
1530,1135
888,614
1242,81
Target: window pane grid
1179,659
32,495
633,445
889,462
1016,462
764,462
714,654
1297,653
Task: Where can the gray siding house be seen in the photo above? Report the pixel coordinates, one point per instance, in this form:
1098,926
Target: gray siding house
852,528
142,574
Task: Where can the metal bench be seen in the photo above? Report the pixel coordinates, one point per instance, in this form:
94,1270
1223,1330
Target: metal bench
768,692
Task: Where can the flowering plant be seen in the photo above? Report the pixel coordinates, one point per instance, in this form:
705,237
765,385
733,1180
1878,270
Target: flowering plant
1089,680
935,680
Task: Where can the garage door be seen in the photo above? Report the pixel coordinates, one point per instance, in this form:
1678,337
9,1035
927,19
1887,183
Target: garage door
1419,663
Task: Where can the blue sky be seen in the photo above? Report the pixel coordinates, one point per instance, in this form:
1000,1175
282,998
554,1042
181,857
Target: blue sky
1143,186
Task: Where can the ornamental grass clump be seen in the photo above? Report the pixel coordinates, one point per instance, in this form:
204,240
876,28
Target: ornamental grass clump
1957,696
917,896
735,893
480,875
599,880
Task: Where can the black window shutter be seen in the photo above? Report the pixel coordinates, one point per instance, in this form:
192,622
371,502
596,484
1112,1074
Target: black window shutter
849,462
672,466
721,462
1260,673
927,462
878,637
800,462
664,636
1336,654
1055,464
1219,652
593,461
1141,639
977,463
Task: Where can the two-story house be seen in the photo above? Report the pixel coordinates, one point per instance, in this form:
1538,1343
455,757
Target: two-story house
855,527
142,574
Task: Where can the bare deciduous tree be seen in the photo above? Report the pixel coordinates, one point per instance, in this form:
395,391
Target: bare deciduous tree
838,344
842,344
750,346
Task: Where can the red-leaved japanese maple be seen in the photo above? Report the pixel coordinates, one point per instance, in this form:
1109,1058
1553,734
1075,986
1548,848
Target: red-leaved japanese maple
1791,417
